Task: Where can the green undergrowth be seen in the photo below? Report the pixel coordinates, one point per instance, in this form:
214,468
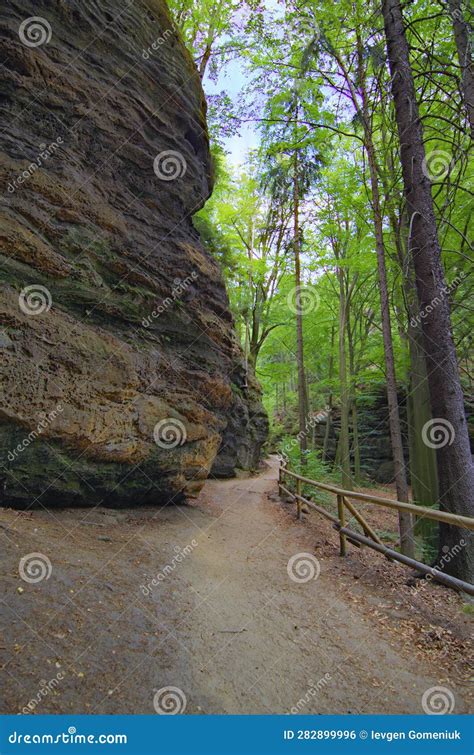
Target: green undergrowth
314,468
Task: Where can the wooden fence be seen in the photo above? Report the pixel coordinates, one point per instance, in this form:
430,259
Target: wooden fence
370,537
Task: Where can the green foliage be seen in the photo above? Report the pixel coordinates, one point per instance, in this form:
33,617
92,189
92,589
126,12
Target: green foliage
306,67
314,469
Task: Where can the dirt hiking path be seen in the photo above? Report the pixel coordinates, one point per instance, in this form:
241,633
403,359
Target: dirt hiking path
225,623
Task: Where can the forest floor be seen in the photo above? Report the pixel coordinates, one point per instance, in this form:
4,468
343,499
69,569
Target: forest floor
225,623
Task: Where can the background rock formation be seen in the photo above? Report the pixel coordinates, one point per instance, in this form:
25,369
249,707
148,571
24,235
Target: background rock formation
373,430
126,323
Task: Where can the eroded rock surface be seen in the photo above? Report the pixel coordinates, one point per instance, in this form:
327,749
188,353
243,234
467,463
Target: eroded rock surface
119,361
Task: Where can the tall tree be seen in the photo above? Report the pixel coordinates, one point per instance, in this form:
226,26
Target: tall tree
463,37
455,467
344,299
355,87
405,526
302,394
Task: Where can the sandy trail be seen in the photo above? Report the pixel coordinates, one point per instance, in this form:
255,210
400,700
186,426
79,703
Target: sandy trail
225,624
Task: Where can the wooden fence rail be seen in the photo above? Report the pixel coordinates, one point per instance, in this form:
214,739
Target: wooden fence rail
370,537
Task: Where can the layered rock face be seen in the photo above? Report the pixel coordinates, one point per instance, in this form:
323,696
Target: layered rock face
119,362
374,434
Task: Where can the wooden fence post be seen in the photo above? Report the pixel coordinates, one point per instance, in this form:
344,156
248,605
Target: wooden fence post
371,539
341,516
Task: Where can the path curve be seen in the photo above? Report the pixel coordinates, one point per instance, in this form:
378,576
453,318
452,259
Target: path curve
225,622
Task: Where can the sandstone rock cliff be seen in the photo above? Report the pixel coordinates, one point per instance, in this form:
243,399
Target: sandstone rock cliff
120,369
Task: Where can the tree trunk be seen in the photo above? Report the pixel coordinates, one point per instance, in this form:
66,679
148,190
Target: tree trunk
407,545
455,467
423,469
343,447
327,430
462,33
205,60
302,400
246,352
422,464
353,405
355,441
424,473
396,441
